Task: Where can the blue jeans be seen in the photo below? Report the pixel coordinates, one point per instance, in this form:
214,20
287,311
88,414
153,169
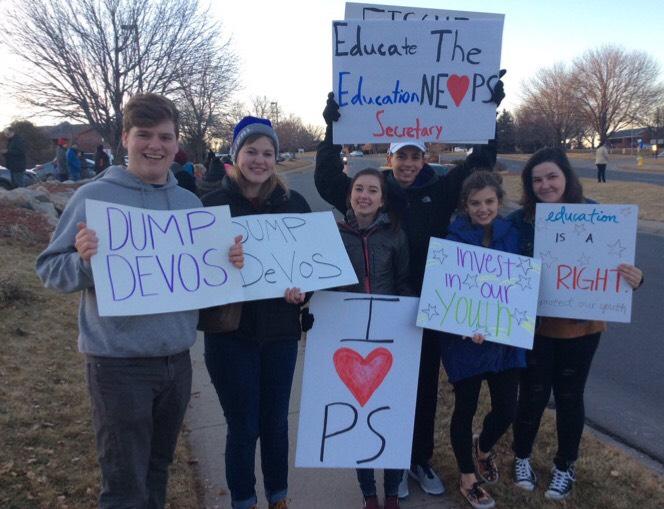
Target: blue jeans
253,381
392,478
18,178
138,405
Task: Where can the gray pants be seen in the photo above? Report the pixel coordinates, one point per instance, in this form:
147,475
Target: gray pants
138,405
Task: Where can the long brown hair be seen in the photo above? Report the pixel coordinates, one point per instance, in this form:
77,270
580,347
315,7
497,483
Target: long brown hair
373,172
573,189
268,187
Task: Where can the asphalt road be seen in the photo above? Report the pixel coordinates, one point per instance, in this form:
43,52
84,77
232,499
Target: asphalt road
585,168
625,391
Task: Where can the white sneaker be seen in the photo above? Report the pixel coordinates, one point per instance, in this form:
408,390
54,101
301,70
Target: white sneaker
562,482
403,485
427,478
524,475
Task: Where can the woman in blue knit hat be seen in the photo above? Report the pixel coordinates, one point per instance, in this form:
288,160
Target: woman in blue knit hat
252,367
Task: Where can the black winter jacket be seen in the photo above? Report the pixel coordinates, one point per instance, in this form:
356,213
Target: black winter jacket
379,256
269,319
424,208
15,155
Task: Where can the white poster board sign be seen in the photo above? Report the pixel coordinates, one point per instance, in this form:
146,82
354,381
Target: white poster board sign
360,382
402,13
469,289
581,246
427,81
291,250
158,261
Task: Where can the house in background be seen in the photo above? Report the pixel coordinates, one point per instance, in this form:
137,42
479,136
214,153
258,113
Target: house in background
87,137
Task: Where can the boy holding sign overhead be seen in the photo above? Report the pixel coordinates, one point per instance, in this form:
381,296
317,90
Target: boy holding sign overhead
425,203
138,370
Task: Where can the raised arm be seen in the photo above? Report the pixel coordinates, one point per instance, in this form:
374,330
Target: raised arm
331,182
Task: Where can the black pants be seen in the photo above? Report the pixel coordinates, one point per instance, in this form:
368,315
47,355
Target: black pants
503,389
601,172
561,364
427,398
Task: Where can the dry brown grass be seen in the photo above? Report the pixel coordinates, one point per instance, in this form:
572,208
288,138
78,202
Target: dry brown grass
649,197
607,477
47,457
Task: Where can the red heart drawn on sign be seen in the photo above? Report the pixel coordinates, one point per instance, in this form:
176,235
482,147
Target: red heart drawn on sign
458,86
362,375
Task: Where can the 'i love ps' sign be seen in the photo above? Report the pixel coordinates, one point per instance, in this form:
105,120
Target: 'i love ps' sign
417,80
360,382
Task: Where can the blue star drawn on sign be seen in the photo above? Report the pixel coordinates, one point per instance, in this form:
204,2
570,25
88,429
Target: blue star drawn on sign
524,282
471,281
548,259
525,264
579,228
520,316
616,248
583,260
430,311
439,254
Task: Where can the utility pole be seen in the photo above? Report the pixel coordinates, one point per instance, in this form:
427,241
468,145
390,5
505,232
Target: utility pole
134,28
274,112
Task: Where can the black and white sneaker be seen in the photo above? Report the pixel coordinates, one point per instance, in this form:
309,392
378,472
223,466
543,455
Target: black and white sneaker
524,475
562,482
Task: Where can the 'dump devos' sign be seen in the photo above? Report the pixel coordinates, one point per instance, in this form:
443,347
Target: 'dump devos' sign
421,80
158,261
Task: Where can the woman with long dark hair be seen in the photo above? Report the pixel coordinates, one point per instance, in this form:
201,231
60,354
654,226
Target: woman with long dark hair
563,348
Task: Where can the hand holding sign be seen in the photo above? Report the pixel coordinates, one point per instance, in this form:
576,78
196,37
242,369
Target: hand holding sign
86,242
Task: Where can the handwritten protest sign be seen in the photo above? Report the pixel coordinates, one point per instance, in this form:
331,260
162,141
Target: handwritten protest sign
427,81
469,289
581,246
291,250
360,382
157,261
403,13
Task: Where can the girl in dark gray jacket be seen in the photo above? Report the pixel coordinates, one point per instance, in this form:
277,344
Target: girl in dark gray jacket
378,250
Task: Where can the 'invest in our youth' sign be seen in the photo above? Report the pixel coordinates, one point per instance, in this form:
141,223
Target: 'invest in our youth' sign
360,382
581,246
469,289
421,80
158,261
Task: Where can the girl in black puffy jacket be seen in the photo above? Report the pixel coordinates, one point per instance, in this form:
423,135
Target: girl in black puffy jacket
378,250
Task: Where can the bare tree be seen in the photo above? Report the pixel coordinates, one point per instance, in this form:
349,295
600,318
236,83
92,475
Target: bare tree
616,88
86,57
204,98
547,97
261,106
293,134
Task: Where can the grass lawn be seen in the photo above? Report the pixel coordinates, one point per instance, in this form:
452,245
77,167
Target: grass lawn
607,478
46,438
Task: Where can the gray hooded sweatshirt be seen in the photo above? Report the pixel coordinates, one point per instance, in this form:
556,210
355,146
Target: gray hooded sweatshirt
62,269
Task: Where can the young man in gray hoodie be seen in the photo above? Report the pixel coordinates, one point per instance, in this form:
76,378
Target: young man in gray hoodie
138,369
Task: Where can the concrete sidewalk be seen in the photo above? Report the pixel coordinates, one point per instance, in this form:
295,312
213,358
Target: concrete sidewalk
308,488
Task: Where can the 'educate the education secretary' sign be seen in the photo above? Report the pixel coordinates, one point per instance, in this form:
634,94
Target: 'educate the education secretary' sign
421,80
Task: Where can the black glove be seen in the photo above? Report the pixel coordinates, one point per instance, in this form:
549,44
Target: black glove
331,111
307,319
498,93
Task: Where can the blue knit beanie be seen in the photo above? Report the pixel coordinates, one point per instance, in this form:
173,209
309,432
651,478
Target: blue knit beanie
252,125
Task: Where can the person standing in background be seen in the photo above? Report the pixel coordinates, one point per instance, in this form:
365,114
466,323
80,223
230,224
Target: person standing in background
73,162
601,160
15,156
61,160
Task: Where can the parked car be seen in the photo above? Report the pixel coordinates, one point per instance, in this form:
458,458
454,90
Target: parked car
357,153
46,171
441,169
6,178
